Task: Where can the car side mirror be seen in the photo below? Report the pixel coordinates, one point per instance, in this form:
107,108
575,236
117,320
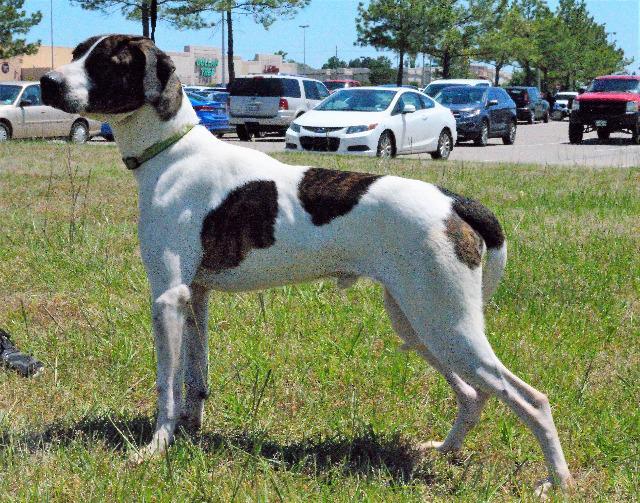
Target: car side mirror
408,109
492,103
26,103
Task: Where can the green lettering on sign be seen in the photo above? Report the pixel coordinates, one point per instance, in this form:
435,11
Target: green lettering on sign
207,67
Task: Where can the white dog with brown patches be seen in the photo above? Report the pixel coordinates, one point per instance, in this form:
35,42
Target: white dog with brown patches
214,216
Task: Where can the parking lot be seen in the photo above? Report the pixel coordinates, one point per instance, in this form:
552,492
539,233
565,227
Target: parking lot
535,144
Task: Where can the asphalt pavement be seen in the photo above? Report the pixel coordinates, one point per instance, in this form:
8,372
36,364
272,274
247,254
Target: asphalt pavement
546,144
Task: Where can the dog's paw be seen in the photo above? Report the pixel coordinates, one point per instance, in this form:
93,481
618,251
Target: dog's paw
546,486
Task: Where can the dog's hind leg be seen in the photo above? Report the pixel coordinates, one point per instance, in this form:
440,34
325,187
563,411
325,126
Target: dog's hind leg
196,360
470,400
453,331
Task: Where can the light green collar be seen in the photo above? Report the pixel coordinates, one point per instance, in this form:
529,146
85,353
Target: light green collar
156,148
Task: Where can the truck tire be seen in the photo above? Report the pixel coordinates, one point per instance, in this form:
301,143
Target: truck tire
5,132
603,134
635,135
575,133
243,133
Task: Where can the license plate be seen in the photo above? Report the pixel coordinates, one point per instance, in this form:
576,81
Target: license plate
601,123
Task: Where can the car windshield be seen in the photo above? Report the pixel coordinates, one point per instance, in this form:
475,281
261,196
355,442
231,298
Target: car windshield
461,96
615,85
433,89
8,94
332,86
358,100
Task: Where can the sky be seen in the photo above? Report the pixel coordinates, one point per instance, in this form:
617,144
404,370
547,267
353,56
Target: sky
331,26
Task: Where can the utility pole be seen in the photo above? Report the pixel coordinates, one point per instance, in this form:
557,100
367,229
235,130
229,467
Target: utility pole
224,78
51,8
304,46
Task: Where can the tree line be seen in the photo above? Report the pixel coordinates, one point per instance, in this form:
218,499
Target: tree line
565,47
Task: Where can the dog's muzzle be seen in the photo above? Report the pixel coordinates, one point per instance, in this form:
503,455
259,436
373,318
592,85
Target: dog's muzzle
54,90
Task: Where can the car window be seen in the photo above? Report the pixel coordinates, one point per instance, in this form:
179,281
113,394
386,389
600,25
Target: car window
322,90
8,94
358,100
311,90
533,94
426,102
32,94
412,99
494,95
291,88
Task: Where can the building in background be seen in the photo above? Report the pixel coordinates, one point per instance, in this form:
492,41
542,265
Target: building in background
196,65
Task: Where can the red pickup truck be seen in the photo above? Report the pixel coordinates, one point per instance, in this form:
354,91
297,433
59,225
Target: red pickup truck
610,104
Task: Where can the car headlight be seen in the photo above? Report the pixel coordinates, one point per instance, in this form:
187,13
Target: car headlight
294,127
470,113
360,129
575,106
632,106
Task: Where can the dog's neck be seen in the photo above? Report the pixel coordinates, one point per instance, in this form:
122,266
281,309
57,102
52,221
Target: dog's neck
143,128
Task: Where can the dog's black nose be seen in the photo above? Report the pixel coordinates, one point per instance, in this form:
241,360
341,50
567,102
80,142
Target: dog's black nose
52,85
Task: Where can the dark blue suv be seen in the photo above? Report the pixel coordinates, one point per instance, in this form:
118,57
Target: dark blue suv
481,113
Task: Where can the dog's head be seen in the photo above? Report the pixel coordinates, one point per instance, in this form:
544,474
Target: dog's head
114,74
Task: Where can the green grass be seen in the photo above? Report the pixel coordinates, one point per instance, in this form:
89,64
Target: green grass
310,398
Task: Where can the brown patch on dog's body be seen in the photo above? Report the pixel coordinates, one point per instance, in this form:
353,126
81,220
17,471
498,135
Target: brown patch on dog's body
243,221
126,72
466,242
327,194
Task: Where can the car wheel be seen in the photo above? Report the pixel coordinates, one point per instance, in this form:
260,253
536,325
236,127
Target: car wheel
79,132
5,132
483,138
510,137
575,133
219,135
243,133
603,134
532,118
108,137
444,148
386,147
546,117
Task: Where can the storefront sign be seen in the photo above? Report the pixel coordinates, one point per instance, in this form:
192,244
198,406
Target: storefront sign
271,69
207,67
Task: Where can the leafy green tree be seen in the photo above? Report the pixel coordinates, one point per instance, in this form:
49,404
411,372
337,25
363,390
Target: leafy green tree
334,62
503,41
391,24
199,14
450,31
14,21
145,11
380,69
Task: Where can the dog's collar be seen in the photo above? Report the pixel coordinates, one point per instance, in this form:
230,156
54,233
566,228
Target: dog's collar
149,153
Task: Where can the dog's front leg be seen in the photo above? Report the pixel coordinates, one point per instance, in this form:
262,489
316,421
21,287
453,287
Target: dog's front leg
168,313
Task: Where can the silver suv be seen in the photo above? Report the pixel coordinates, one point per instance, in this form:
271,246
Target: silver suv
269,103
22,115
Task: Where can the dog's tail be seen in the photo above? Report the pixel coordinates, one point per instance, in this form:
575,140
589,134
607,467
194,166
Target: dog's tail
484,222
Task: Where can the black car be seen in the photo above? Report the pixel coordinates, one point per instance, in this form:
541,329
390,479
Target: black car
481,113
531,106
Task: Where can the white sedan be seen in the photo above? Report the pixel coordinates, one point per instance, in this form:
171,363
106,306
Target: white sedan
378,121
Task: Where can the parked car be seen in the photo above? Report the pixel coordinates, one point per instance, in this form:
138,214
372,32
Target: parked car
375,121
212,112
408,86
22,115
531,106
438,85
562,105
334,85
610,104
268,103
481,113
204,89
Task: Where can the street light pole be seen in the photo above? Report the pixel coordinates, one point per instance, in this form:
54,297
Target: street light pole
304,45
51,9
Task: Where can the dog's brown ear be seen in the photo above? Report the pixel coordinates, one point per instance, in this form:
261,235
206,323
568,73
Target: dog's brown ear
162,87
